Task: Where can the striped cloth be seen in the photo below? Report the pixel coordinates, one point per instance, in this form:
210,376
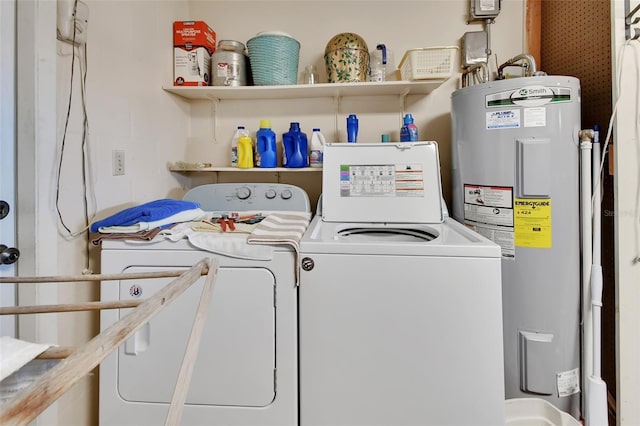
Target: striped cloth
281,228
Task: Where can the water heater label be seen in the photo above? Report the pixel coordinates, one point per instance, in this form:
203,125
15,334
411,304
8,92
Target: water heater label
533,222
535,117
507,119
390,180
488,210
568,382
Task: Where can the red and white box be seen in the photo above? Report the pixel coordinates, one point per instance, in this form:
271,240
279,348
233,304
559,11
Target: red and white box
193,44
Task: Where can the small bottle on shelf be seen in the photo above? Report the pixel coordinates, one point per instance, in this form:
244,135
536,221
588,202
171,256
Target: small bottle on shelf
317,148
408,131
240,131
245,152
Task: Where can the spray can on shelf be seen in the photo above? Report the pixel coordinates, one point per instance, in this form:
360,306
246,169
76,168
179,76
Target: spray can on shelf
266,154
408,131
352,128
295,147
245,152
317,148
234,144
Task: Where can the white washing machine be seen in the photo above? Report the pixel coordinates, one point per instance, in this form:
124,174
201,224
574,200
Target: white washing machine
246,369
400,318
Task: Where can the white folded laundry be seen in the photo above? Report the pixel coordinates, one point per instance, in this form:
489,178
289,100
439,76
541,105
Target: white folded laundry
183,216
229,244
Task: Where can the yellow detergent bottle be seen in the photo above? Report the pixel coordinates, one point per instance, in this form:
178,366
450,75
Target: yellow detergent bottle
245,152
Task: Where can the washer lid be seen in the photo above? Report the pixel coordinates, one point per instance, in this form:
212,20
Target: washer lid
382,182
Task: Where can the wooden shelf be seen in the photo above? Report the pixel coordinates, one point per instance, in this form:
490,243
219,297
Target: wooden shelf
185,169
400,88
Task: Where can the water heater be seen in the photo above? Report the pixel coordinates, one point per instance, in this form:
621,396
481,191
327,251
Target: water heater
515,174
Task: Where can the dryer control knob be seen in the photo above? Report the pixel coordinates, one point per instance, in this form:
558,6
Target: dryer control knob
243,193
270,194
286,194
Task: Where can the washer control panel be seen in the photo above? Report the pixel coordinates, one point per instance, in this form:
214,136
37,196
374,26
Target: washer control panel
238,197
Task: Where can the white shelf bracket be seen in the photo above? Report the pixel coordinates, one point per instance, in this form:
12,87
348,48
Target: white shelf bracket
215,102
337,99
402,96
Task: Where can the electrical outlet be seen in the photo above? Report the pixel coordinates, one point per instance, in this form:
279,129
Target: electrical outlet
117,162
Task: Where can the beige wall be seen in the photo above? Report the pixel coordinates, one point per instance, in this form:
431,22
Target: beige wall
129,58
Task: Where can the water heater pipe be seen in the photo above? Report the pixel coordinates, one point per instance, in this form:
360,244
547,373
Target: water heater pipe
472,72
595,400
586,249
530,66
596,388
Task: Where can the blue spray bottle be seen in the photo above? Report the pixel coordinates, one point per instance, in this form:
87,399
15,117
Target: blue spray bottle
352,128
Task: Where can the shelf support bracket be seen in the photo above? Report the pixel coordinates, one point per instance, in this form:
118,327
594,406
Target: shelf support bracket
215,102
402,97
337,99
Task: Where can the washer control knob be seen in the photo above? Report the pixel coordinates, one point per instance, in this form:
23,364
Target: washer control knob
307,263
243,193
286,194
270,194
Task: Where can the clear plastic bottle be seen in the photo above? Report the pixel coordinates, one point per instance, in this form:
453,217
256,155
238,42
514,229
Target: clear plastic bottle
378,63
408,131
317,148
240,131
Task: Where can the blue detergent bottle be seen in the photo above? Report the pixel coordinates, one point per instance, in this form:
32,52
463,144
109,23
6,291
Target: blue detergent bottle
296,147
408,131
266,155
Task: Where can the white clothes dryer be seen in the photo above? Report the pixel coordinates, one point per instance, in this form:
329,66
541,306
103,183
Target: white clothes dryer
400,320
246,369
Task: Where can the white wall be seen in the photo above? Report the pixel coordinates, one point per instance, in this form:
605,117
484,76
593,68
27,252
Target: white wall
129,59
129,54
626,67
401,25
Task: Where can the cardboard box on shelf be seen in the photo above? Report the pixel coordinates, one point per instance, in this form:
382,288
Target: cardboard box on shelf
193,44
191,67
195,33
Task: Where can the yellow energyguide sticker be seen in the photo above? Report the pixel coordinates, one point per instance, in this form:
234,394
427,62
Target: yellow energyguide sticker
532,222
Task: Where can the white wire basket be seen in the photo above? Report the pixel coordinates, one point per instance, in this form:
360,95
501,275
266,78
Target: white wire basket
428,63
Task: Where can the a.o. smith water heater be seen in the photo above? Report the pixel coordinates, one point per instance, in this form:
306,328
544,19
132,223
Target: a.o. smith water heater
515,174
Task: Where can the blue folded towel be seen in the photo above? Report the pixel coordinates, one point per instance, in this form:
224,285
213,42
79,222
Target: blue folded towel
148,212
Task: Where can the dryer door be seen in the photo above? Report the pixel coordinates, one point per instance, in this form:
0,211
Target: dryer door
236,359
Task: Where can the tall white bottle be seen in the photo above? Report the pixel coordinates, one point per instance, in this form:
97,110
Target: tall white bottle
317,148
240,131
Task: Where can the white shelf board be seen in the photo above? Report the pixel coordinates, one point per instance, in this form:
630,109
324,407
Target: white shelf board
239,170
296,91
